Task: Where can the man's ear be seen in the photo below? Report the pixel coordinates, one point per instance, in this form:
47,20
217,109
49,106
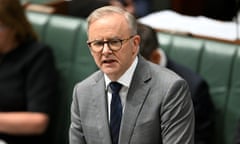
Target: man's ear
155,57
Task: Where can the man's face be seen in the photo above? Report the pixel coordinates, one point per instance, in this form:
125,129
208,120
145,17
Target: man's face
112,27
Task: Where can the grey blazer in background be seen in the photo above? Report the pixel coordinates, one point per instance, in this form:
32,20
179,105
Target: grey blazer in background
158,109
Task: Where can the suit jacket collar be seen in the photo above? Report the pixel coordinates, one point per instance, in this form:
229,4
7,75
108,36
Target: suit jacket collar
99,100
135,98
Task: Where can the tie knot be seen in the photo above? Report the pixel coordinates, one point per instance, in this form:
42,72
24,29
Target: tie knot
115,87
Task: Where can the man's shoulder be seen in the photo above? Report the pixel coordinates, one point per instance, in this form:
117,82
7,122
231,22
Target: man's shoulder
90,80
194,80
161,75
161,71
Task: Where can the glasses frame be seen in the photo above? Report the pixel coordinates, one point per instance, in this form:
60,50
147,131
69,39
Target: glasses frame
108,43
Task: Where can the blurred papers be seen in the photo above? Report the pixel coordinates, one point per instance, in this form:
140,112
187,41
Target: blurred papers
203,26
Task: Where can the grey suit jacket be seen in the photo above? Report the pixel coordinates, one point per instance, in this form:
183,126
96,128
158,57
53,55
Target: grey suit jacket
158,109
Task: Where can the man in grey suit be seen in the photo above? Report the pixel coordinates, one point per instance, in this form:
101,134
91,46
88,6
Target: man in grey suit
156,103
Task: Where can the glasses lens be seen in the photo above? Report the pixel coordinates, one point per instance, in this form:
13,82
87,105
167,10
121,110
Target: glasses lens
115,44
97,45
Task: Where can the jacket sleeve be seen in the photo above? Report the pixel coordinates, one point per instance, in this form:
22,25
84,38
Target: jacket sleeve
178,115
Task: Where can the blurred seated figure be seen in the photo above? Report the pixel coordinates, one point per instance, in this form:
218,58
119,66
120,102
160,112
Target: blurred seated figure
203,106
82,8
225,10
27,79
139,8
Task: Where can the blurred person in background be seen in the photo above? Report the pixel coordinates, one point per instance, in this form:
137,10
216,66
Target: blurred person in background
139,8
225,10
27,79
82,8
203,106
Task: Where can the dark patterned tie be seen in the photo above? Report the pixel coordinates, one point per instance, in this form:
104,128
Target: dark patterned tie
116,111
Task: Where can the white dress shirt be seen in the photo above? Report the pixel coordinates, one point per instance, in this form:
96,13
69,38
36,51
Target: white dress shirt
125,80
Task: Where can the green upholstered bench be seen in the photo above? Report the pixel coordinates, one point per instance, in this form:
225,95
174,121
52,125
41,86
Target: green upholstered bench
219,64
67,37
36,1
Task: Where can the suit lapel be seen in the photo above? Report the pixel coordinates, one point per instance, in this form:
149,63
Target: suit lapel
135,98
100,104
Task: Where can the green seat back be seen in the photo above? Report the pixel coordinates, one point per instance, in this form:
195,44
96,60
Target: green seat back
233,104
39,22
83,64
186,51
216,63
61,35
36,1
165,41
219,64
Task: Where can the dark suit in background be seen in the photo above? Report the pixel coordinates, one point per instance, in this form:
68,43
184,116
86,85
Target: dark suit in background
203,106
224,10
82,8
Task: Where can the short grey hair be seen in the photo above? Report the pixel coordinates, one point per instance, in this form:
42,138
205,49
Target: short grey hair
108,10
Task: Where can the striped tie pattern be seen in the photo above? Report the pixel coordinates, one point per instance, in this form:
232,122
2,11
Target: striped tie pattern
116,111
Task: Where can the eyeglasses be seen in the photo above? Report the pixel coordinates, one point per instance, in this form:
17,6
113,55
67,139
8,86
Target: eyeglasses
113,44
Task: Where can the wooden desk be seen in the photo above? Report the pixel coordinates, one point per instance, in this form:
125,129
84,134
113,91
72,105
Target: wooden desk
53,6
200,27
61,6
199,36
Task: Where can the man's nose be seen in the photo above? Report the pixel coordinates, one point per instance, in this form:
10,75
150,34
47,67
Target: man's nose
106,48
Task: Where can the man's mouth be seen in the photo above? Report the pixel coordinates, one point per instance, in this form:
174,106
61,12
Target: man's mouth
108,61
